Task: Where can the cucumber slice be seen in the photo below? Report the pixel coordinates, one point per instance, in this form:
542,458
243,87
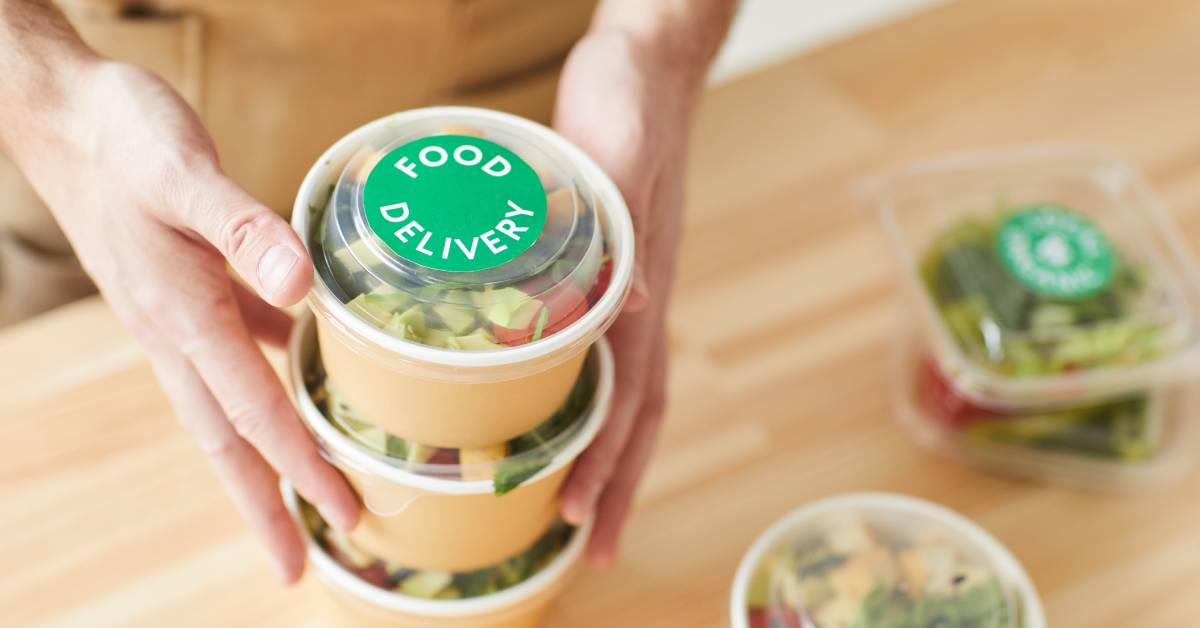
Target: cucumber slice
480,340
459,319
426,584
410,325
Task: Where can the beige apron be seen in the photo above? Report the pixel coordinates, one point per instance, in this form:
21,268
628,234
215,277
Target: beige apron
277,81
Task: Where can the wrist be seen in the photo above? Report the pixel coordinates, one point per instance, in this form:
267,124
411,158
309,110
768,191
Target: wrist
37,105
668,79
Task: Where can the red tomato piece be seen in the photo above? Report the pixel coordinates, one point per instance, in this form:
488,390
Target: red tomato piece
944,402
563,306
511,337
603,279
444,456
775,617
566,305
375,574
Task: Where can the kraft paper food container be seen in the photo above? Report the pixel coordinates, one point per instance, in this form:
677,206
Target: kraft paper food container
1042,275
351,602
426,515
1133,441
477,337
856,559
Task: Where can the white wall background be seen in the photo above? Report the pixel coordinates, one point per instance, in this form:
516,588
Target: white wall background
769,30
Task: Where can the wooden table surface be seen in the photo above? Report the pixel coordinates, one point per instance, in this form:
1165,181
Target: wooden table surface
781,329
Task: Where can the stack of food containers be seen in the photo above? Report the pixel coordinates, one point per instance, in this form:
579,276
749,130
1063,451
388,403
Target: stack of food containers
468,263
1055,311
875,560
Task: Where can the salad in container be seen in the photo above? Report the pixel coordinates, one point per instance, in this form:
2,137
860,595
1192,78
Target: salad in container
1055,305
442,508
874,560
1126,442
465,261
366,590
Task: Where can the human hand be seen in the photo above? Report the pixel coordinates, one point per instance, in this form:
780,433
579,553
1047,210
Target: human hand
631,113
133,178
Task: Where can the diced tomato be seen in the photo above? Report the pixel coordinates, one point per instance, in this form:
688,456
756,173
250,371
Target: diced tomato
944,402
566,305
603,279
375,574
511,337
775,618
563,306
444,456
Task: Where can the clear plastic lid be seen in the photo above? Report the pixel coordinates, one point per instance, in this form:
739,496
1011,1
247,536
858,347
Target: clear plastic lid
463,231
506,465
430,584
881,561
1128,441
1043,274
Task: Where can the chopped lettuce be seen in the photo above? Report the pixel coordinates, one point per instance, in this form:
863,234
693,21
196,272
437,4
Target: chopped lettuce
1014,330
508,464
431,584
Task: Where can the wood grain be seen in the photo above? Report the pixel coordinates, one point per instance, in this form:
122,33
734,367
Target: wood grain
781,325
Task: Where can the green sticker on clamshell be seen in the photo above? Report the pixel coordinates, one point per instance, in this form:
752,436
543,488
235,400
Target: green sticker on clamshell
1056,251
455,203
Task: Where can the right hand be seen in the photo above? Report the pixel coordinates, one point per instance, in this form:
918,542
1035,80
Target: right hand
133,179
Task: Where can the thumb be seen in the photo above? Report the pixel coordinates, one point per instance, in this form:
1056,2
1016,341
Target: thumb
260,245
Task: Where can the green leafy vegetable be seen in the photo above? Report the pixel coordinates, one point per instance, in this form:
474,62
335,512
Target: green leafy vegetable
440,585
1013,329
524,455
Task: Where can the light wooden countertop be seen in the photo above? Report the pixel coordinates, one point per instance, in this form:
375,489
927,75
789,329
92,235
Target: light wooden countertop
781,332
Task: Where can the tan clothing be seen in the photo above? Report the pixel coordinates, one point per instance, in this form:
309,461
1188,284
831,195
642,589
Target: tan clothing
278,81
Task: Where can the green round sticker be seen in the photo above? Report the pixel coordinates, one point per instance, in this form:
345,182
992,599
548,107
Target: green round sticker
455,203
1056,251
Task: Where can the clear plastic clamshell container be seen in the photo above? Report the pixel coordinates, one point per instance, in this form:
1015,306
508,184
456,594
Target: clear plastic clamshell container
1042,275
881,561
450,509
465,261
1125,442
366,590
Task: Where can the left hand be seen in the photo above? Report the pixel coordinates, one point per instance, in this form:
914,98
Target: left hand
623,106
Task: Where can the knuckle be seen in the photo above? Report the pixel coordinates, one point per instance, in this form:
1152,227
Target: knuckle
254,420
248,423
222,449
240,234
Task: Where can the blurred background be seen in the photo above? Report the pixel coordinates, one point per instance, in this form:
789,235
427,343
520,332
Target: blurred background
770,30
783,326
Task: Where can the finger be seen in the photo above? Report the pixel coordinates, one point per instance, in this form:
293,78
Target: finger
613,508
260,245
265,322
596,465
246,476
206,326
250,393
639,291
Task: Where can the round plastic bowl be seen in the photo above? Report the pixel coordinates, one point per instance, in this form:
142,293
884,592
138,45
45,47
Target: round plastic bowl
874,508
354,603
439,523
460,398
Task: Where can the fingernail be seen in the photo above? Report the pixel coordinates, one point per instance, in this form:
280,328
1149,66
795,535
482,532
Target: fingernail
576,512
274,268
281,571
601,560
641,287
336,518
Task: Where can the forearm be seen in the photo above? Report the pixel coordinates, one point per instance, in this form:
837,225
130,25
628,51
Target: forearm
41,58
682,35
